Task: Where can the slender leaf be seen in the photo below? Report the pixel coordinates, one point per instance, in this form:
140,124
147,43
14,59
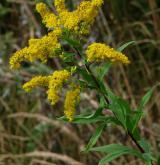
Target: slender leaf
121,48
95,137
135,119
87,77
111,157
102,71
145,145
139,113
148,157
73,42
145,98
114,151
120,108
81,119
68,57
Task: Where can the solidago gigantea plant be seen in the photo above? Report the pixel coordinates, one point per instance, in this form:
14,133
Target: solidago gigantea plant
69,27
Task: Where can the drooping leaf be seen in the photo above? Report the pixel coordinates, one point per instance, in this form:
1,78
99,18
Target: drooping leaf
121,48
114,151
93,118
111,157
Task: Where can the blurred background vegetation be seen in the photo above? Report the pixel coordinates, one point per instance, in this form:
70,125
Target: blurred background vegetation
29,131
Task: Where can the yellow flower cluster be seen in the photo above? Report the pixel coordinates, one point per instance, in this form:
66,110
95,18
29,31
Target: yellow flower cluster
53,82
48,17
72,97
60,6
80,19
100,52
36,81
40,49
55,85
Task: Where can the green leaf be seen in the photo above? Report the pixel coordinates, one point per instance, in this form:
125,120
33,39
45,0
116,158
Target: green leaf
120,109
145,145
114,151
73,43
136,117
111,157
95,137
121,48
68,57
80,119
102,71
87,77
145,98
93,118
84,84
139,112
148,157
49,3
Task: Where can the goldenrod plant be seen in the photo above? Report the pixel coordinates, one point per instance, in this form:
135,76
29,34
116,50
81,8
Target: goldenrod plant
80,72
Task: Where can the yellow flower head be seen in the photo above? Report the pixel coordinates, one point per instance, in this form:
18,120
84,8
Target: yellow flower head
36,81
87,10
55,84
49,18
97,3
41,49
72,97
18,57
100,52
60,6
80,19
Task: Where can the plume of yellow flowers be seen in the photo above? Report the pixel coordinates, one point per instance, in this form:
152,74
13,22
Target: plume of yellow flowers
60,6
36,81
72,97
48,17
53,82
41,49
80,19
100,52
55,85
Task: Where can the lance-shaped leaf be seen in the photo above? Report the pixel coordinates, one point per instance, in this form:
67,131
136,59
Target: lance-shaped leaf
94,137
113,151
121,48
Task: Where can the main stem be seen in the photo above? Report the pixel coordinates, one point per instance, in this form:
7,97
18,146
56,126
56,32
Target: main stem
107,101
